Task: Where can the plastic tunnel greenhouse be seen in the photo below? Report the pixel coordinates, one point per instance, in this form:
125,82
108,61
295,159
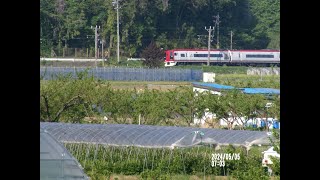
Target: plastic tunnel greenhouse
56,162
152,136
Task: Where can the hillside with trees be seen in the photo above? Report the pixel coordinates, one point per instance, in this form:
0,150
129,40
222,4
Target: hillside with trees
170,24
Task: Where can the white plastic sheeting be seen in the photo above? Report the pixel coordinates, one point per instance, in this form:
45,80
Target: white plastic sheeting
152,136
56,162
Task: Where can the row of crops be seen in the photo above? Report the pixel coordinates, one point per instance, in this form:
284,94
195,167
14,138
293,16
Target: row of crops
101,161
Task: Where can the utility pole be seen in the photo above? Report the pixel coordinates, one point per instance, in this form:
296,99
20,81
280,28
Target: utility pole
116,3
96,41
217,21
209,42
231,34
102,42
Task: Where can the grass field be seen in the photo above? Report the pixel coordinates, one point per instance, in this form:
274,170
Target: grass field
237,80
254,81
244,76
160,85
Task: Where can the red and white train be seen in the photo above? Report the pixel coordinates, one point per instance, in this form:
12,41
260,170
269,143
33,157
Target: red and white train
218,57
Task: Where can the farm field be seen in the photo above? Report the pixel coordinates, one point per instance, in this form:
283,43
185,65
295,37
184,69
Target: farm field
157,102
237,80
140,90
176,177
155,105
100,162
180,177
253,81
159,85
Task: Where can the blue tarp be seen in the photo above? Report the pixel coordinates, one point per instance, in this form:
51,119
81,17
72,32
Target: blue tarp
244,90
260,91
213,85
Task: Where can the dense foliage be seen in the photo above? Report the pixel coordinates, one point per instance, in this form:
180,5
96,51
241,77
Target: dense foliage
171,24
86,99
102,161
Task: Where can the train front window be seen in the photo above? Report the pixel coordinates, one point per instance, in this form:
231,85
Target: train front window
171,55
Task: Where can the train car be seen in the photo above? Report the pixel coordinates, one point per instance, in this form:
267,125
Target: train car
255,56
218,57
193,56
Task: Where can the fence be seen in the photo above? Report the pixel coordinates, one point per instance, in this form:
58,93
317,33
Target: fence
126,74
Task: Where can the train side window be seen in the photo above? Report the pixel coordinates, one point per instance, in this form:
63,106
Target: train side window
259,56
182,55
175,54
215,55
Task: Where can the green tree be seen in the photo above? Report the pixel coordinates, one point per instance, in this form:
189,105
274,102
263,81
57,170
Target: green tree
151,106
267,14
275,141
187,103
250,105
172,24
274,110
229,107
66,99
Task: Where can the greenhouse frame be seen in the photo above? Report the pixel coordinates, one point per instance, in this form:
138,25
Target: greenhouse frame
152,136
56,162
